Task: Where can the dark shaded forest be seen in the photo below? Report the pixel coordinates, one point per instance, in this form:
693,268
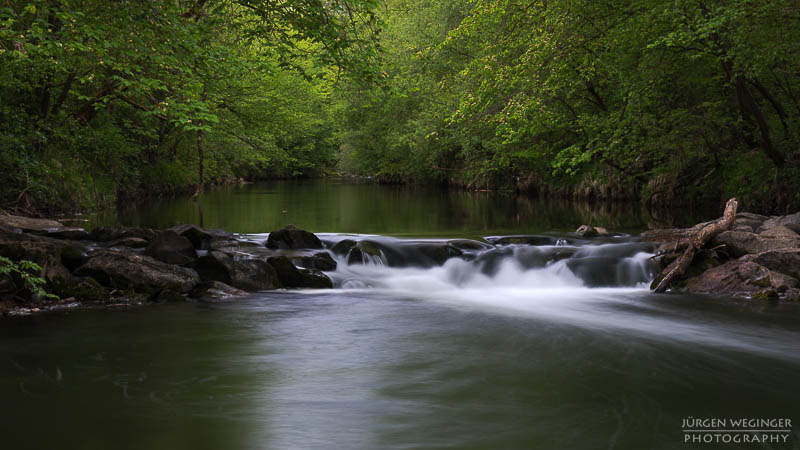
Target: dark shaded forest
665,103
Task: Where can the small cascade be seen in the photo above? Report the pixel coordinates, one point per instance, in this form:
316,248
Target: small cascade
520,263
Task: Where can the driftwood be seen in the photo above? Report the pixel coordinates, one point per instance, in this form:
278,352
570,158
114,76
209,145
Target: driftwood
697,242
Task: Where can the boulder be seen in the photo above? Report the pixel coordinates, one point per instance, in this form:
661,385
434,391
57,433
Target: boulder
134,271
784,260
788,221
109,234
343,247
590,231
171,248
29,224
781,232
56,256
255,275
523,240
199,237
75,234
81,288
291,237
740,243
130,242
215,290
439,253
318,261
215,266
363,251
739,277
291,276
750,220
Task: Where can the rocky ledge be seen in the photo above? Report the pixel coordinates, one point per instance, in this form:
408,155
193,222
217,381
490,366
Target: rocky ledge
122,266
758,257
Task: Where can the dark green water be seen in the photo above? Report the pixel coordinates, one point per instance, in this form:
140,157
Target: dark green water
342,206
400,357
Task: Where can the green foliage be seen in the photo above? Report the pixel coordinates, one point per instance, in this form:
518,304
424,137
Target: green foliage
622,92
28,273
102,101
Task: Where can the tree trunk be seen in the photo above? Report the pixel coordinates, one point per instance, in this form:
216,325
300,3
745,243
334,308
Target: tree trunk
697,242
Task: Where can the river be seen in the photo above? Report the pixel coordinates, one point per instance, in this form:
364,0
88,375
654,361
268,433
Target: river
511,346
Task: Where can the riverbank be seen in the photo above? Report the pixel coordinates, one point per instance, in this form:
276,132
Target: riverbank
123,266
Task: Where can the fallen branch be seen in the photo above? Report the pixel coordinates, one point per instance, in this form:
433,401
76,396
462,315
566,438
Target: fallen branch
697,242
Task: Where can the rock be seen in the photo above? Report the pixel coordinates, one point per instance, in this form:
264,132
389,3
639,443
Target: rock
232,243
523,240
130,242
586,231
745,228
199,237
781,232
784,260
469,244
171,248
82,288
215,290
75,234
128,270
54,255
168,296
293,277
109,234
439,253
7,285
343,247
216,266
319,261
750,220
363,252
772,222
740,243
738,277
792,295
291,237
30,225
765,294
255,275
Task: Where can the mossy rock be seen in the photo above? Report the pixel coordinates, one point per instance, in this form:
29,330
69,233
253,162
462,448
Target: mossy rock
766,294
81,288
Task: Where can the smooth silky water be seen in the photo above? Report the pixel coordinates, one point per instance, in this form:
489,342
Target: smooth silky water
556,345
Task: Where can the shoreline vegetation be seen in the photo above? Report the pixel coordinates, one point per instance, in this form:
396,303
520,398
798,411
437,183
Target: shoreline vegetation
661,103
48,266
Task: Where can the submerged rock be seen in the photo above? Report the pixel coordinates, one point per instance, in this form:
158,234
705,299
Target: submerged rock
171,248
523,240
319,261
215,290
199,237
293,277
291,237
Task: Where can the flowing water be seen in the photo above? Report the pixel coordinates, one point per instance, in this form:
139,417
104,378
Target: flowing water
545,340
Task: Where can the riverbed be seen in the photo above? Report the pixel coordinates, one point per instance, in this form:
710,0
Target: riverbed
463,355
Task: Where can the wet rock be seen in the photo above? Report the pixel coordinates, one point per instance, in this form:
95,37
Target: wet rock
75,234
792,295
85,289
590,231
439,253
109,234
54,255
785,261
738,277
141,273
765,294
232,244
790,220
29,224
469,245
130,242
291,237
215,290
343,247
199,237
254,275
319,261
739,243
168,296
523,240
171,248
292,277
216,266
363,252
